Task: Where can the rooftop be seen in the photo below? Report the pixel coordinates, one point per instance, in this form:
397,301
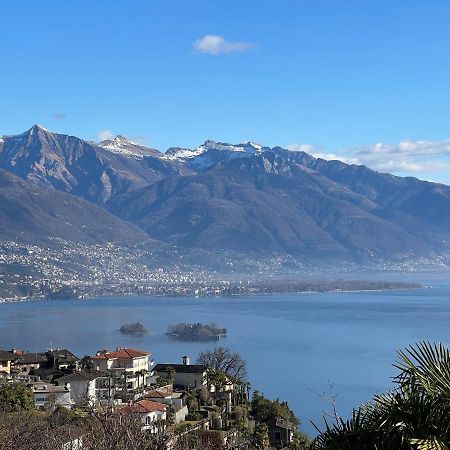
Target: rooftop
142,407
82,376
62,354
121,353
7,356
157,394
40,387
182,368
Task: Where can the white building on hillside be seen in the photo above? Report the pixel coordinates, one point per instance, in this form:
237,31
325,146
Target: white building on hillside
130,369
89,388
152,414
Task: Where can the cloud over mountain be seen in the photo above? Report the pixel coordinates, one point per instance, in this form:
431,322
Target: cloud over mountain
403,157
222,197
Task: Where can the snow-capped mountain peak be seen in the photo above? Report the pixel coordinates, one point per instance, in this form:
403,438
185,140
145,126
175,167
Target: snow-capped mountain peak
37,127
125,147
248,148
212,152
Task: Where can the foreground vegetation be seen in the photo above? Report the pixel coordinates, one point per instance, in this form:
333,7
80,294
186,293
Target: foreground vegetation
415,415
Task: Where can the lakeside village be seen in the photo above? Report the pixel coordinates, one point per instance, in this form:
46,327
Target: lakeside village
72,271
177,400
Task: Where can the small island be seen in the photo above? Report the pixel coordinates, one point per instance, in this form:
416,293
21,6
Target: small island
196,332
133,328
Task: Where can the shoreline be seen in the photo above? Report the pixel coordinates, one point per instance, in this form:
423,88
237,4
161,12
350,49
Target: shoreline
413,287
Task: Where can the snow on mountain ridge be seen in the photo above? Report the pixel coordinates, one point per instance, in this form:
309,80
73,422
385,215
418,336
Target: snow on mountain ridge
187,154
125,147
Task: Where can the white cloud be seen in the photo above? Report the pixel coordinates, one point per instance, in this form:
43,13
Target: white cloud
335,157
214,44
307,148
404,157
105,134
413,148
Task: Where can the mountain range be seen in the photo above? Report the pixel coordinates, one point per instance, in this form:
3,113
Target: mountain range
245,198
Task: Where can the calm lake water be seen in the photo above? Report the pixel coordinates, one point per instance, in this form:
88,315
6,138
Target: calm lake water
296,345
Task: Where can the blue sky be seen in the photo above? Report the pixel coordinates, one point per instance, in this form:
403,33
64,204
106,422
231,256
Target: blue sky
365,81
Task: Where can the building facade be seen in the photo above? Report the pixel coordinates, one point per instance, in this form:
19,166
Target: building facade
129,369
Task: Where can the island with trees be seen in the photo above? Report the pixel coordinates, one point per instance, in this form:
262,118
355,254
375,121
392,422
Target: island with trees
133,328
196,332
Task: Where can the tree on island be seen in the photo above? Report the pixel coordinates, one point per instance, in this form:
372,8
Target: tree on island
133,328
222,359
196,331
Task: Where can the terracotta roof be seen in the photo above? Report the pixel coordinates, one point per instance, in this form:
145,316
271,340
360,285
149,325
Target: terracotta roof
102,356
157,394
142,407
123,353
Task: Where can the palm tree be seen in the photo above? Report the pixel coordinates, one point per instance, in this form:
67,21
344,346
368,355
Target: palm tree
144,373
141,373
138,374
413,416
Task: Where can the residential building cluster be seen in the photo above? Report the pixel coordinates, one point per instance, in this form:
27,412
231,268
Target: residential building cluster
125,380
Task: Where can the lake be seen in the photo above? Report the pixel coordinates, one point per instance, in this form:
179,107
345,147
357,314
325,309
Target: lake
296,345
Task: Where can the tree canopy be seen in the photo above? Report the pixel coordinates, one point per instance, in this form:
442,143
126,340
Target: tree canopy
266,411
222,359
15,397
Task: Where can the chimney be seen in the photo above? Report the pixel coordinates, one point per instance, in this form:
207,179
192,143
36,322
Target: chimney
186,360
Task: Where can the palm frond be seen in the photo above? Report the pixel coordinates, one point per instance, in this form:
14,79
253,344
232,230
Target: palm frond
428,444
428,365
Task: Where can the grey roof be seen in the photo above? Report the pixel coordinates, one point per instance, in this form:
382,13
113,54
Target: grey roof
7,356
62,354
182,368
31,358
82,375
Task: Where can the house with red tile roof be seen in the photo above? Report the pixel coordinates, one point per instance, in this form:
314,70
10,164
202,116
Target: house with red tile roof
129,368
151,413
177,401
